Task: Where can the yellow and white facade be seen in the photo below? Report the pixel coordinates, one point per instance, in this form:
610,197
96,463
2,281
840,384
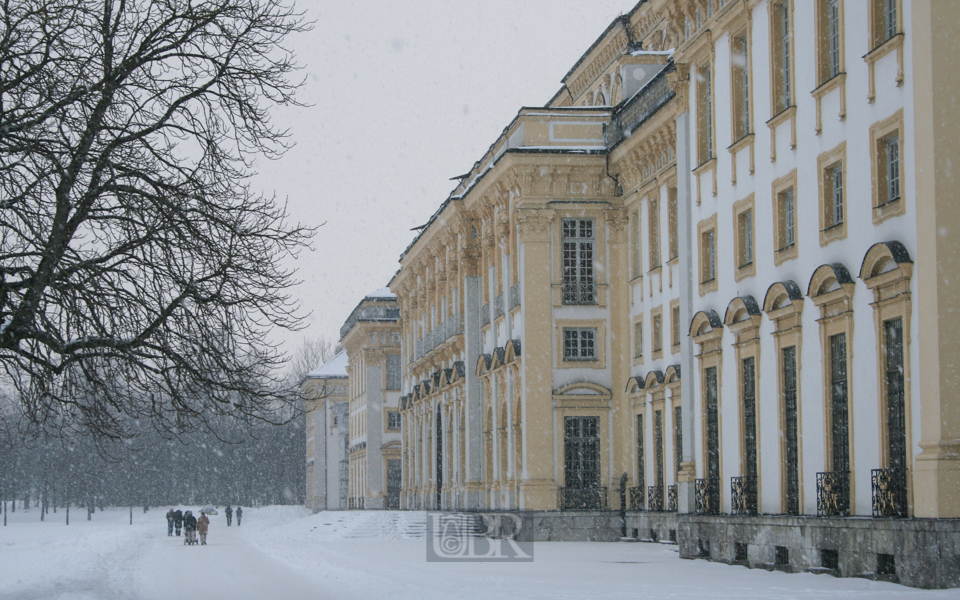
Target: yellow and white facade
716,263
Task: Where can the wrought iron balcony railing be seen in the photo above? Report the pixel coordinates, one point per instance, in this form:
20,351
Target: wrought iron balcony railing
637,500
743,495
833,494
654,95
708,496
672,504
655,498
498,306
514,296
484,315
582,499
579,293
889,492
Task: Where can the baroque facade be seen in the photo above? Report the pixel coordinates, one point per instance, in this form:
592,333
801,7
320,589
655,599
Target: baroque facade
713,272
327,406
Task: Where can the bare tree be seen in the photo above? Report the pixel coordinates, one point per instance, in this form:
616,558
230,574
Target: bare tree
312,353
139,275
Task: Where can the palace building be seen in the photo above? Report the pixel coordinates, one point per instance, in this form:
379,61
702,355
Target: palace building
327,407
708,282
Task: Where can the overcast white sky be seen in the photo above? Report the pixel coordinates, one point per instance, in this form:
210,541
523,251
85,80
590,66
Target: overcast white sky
406,94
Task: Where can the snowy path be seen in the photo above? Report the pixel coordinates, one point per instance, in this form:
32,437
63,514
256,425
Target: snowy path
285,553
227,567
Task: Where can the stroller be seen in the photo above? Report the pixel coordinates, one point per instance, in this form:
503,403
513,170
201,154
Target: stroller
189,529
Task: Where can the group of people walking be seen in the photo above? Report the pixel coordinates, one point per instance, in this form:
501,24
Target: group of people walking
178,520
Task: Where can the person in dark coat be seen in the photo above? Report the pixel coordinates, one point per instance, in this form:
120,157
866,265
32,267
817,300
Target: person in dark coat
178,521
239,515
229,512
171,517
190,526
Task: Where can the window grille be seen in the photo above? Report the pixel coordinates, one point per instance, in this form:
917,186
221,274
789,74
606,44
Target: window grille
579,343
890,18
393,371
708,93
641,479
713,430
638,339
787,209
833,18
677,437
836,181
393,420
791,471
709,256
578,252
658,446
581,452
893,167
785,53
749,417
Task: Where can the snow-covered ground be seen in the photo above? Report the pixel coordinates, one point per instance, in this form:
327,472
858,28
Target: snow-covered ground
287,553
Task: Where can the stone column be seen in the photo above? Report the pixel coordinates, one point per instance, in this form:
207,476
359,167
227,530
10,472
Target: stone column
936,87
538,488
374,410
686,478
621,450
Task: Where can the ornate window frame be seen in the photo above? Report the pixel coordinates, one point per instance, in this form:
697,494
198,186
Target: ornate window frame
781,252
829,231
883,207
742,318
831,289
783,304
744,237
887,271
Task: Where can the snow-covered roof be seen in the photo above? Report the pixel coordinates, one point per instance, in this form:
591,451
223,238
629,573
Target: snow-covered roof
334,368
383,292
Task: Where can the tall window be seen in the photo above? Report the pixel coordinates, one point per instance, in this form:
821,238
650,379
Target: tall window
833,196
638,339
675,325
673,241
704,115
781,46
829,29
635,244
791,470
641,479
658,447
579,343
896,412
677,438
657,333
708,256
786,224
889,156
839,426
393,371
713,424
749,417
745,238
741,87
581,452
654,233
885,24
578,253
